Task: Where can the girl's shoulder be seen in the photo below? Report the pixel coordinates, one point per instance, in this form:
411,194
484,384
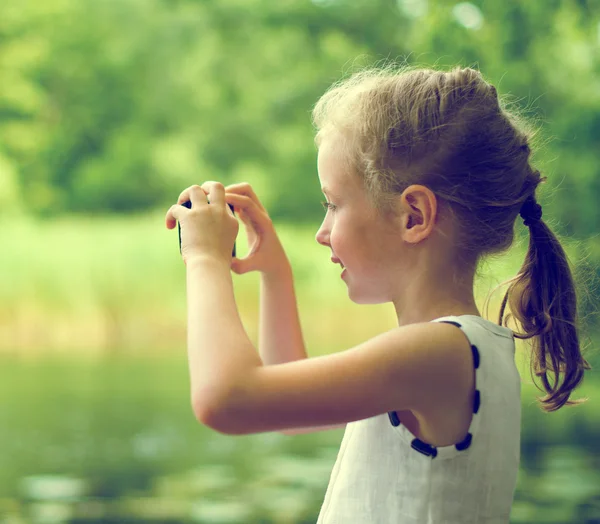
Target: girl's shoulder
468,322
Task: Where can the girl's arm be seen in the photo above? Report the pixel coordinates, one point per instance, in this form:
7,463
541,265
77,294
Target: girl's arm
280,335
411,367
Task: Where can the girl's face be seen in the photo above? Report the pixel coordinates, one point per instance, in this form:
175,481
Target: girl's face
366,245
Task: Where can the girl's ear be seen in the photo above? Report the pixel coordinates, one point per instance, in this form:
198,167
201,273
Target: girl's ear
419,209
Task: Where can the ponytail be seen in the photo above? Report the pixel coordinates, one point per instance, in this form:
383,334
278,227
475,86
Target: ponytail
543,300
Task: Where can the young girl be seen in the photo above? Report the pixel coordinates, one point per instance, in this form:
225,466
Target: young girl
425,172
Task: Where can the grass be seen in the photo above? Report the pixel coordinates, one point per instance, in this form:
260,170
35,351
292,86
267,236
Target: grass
82,284
90,285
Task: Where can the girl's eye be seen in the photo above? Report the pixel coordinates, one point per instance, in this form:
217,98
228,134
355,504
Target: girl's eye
327,205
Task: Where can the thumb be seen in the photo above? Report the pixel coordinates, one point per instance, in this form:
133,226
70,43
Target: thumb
238,266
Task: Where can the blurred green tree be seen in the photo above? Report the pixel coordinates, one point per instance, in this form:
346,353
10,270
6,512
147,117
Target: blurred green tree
116,106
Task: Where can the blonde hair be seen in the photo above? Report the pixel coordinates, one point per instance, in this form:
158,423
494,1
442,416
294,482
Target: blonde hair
450,132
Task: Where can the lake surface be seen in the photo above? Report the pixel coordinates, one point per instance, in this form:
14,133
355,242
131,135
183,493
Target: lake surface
114,440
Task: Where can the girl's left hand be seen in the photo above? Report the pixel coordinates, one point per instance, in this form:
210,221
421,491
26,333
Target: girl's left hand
207,230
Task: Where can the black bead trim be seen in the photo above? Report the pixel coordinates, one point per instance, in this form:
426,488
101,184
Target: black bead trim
394,418
475,356
427,449
466,442
424,448
450,322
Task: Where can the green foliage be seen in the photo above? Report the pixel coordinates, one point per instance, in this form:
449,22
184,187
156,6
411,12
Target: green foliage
116,106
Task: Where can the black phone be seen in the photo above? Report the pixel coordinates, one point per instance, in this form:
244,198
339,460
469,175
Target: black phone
188,204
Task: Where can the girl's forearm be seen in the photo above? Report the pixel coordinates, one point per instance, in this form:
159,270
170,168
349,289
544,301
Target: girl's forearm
280,337
219,349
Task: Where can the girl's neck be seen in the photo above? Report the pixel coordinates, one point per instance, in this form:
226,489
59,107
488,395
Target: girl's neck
412,315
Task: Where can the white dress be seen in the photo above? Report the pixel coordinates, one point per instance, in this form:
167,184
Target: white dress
384,475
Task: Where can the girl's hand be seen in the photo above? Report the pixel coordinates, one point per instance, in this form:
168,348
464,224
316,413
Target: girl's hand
266,252
207,230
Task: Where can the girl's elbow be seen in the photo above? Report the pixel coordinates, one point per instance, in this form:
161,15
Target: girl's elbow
210,410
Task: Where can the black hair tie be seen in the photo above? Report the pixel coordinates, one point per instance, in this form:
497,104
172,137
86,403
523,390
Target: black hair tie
531,211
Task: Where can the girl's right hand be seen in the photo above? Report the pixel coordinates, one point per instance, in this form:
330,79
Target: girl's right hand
266,252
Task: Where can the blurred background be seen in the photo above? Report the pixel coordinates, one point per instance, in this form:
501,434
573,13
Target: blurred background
109,108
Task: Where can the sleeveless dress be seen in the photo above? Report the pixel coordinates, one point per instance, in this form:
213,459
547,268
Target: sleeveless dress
384,475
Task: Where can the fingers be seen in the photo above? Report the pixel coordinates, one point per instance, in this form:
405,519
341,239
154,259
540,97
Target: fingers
184,196
208,192
240,203
215,191
194,194
241,266
212,191
174,213
198,196
245,189
247,209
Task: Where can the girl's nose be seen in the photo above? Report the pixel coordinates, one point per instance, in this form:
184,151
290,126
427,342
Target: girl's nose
322,236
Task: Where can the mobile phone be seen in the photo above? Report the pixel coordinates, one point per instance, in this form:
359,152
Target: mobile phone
188,204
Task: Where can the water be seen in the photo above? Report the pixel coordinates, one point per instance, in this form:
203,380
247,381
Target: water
115,440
